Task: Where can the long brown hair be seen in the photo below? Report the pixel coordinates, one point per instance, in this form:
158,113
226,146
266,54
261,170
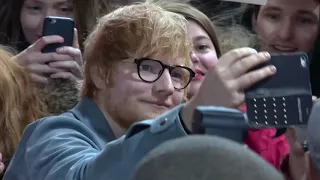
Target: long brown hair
10,26
193,14
19,104
87,13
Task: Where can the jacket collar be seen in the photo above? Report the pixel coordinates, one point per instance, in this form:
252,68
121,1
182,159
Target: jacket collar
90,114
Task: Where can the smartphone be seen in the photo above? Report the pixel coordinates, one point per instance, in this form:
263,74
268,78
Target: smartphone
285,99
60,26
220,121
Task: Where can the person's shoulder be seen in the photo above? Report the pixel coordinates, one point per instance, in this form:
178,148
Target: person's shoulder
59,120
38,136
64,120
53,127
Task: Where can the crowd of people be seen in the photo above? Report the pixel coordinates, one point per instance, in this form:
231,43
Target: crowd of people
119,103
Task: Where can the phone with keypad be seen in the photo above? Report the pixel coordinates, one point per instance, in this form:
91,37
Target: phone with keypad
285,99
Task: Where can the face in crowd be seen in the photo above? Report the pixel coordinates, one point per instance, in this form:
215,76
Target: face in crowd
138,68
287,26
203,56
34,11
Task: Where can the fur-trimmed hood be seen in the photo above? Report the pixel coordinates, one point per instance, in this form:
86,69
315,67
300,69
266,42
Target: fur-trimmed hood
60,95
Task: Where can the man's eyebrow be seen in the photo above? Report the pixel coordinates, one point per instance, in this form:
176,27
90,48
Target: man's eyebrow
271,8
307,12
201,37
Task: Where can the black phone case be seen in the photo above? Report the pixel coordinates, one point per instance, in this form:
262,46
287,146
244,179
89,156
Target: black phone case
284,99
60,26
220,121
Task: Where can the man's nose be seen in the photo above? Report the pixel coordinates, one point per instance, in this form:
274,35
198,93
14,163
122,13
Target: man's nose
286,30
164,85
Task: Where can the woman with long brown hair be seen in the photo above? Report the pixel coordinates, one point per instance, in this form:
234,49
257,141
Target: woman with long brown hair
19,105
56,74
22,30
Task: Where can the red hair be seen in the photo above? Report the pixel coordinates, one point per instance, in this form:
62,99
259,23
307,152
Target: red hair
19,104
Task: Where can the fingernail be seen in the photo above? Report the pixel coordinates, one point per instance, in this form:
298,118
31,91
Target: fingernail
61,39
273,69
59,49
266,54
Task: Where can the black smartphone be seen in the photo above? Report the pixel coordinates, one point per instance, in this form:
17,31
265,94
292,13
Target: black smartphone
285,99
60,26
220,121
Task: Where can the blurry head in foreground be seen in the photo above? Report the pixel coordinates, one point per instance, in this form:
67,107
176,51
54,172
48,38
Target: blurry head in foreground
204,158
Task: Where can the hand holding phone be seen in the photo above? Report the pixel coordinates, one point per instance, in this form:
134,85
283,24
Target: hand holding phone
64,27
45,61
37,62
59,26
284,99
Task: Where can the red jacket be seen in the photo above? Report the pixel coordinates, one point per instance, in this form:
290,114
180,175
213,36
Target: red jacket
271,149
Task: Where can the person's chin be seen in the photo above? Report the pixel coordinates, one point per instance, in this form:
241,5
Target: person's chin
158,109
280,49
154,109
194,86
150,113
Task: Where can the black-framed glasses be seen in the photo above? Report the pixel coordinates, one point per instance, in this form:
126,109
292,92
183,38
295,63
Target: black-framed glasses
150,70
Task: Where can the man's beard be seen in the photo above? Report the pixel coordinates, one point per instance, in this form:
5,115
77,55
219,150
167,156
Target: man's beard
126,115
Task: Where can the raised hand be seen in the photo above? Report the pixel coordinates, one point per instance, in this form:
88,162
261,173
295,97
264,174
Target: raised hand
72,67
66,63
224,84
36,62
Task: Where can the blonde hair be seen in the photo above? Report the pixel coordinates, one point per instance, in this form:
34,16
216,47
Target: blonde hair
19,104
230,33
235,36
135,31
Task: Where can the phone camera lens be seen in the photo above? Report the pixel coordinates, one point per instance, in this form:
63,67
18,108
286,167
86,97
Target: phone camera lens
303,61
52,21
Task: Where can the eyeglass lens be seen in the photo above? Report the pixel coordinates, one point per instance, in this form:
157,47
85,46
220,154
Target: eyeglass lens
150,70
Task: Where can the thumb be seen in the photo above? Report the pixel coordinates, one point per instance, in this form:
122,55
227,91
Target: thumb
291,135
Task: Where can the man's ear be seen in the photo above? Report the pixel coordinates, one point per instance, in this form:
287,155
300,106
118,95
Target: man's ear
98,78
